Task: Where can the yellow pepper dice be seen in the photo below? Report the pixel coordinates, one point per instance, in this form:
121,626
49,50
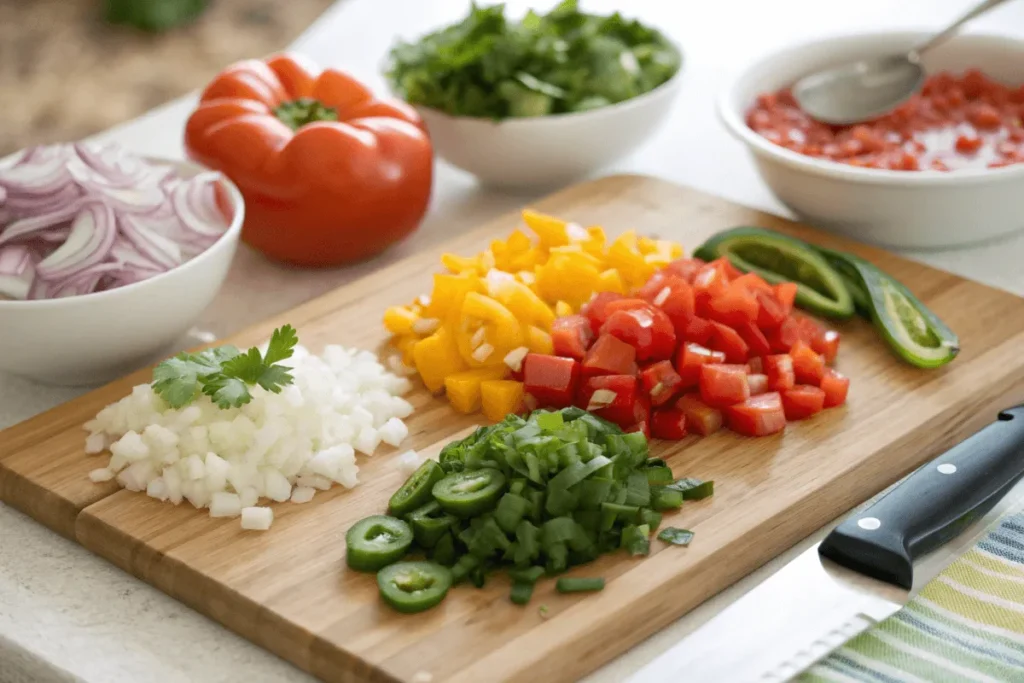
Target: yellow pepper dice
563,309
463,388
501,398
502,331
539,341
525,305
398,320
610,281
460,264
551,231
449,292
436,357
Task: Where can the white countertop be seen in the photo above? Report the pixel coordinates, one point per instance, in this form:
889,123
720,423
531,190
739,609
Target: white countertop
66,615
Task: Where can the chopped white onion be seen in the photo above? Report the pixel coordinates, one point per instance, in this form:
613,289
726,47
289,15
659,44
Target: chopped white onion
257,518
482,353
478,337
662,296
514,358
601,398
408,462
425,326
279,446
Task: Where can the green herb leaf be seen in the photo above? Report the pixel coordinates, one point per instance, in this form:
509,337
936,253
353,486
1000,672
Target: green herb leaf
671,534
224,373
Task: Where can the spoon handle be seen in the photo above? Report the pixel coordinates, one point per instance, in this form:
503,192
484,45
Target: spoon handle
942,36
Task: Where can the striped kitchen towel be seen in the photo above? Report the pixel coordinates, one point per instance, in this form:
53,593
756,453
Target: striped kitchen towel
966,625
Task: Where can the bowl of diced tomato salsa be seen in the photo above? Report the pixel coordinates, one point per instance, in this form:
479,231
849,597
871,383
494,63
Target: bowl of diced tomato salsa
944,169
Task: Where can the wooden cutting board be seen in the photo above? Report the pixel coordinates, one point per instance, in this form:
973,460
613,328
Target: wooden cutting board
289,590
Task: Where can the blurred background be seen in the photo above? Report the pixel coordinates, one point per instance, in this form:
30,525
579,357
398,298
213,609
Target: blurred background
71,68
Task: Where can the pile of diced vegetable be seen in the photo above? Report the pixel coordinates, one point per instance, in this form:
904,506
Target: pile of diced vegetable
489,310
698,345
533,495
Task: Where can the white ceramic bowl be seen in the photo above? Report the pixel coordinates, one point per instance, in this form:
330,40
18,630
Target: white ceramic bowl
548,151
902,209
90,339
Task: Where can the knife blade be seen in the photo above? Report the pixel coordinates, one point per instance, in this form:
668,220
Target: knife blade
859,575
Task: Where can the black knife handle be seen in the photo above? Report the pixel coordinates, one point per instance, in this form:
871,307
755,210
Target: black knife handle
933,505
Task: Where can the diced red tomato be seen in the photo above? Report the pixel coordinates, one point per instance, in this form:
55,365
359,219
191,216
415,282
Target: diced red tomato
723,385
674,296
609,356
782,338
734,306
594,310
695,329
759,415
700,417
660,382
709,283
809,328
827,344
758,383
771,312
646,328
731,271
836,386
689,360
551,380
571,336
753,282
686,268
643,427
802,401
656,283
621,410
808,365
779,370
729,342
668,424
755,365
785,294
753,337
642,410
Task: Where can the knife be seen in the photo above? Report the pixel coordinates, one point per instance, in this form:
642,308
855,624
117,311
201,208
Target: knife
859,575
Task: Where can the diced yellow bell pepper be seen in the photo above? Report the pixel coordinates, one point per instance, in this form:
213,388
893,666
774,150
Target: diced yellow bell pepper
518,242
550,230
406,345
501,398
526,260
609,281
502,330
398,320
436,357
449,291
578,252
460,264
463,388
624,256
539,341
567,277
563,309
525,305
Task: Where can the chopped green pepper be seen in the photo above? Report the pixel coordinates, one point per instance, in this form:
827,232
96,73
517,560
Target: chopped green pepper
415,492
666,498
570,584
376,541
521,592
470,492
671,534
913,331
429,523
413,586
693,489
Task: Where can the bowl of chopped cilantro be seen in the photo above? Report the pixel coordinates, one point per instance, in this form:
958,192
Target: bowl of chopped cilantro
538,101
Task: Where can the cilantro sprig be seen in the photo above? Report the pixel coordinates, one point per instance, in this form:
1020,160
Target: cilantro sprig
224,373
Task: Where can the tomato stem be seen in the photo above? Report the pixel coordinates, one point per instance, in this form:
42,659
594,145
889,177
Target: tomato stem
305,110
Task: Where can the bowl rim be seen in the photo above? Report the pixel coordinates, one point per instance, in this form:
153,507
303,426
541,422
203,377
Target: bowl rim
734,120
665,88
231,234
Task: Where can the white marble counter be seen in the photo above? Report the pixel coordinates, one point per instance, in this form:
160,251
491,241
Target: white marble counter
66,615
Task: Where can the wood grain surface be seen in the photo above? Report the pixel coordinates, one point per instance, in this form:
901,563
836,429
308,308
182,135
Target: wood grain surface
289,590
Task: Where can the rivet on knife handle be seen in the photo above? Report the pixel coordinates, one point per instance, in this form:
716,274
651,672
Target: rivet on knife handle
933,505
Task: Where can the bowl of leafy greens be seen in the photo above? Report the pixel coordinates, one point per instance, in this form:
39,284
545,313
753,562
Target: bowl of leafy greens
539,101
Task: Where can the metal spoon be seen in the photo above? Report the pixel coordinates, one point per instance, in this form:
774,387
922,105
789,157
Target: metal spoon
871,87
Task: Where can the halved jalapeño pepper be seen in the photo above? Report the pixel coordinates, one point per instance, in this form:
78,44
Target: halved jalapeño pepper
777,258
469,493
413,586
907,325
415,492
376,541
429,523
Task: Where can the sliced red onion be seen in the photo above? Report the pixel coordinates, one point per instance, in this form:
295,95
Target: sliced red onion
36,225
195,202
149,242
26,205
3,193
38,174
113,166
126,255
92,235
83,282
17,271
